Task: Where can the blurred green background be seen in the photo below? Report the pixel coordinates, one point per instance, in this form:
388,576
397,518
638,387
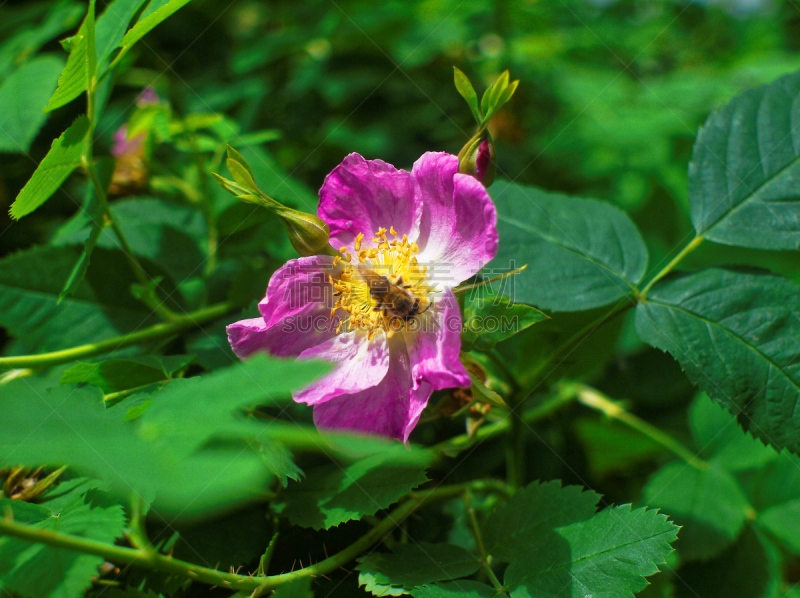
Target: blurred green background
610,100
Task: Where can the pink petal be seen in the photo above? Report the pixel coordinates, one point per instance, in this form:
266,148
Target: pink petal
433,350
295,312
458,228
361,364
392,408
360,196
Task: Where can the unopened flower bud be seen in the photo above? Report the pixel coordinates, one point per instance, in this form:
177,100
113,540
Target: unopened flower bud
308,234
477,158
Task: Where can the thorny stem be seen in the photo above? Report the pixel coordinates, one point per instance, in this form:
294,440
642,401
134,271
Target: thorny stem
158,331
668,268
592,398
232,581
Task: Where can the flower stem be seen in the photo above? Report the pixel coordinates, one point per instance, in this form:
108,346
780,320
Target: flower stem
592,398
668,268
160,562
87,160
476,530
158,331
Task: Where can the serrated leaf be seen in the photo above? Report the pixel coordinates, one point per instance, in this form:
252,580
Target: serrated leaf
333,494
30,284
532,513
608,555
23,97
64,157
581,253
720,438
708,503
279,461
415,564
39,571
112,375
490,321
465,89
81,64
716,322
744,170
463,588
149,20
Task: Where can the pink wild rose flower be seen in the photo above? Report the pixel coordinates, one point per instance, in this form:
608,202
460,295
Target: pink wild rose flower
384,313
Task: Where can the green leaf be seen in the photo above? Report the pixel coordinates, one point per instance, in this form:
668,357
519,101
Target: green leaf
332,494
111,26
722,440
113,375
150,20
171,235
708,503
532,513
23,97
716,322
581,253
490,321
783,521
297,588
743,173
608,555
464,87
278,460
30,284
58,19
39,571
152,455
64,157
412,565
751,568
613,447
81,64
456,589
207,405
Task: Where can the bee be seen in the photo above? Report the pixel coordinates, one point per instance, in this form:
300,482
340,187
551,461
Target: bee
393,297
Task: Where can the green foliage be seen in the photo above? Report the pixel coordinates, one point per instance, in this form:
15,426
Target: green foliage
581,253
96,369
332,495
69,425
121,374
720,321
490,321
609,554
411,565
708,502
64,157
23,96
31,282
742,178
533,512
81,65
38,571
150,19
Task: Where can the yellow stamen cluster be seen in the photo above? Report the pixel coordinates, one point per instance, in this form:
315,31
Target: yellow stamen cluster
384,254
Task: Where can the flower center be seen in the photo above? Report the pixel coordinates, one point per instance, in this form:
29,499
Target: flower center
382,287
